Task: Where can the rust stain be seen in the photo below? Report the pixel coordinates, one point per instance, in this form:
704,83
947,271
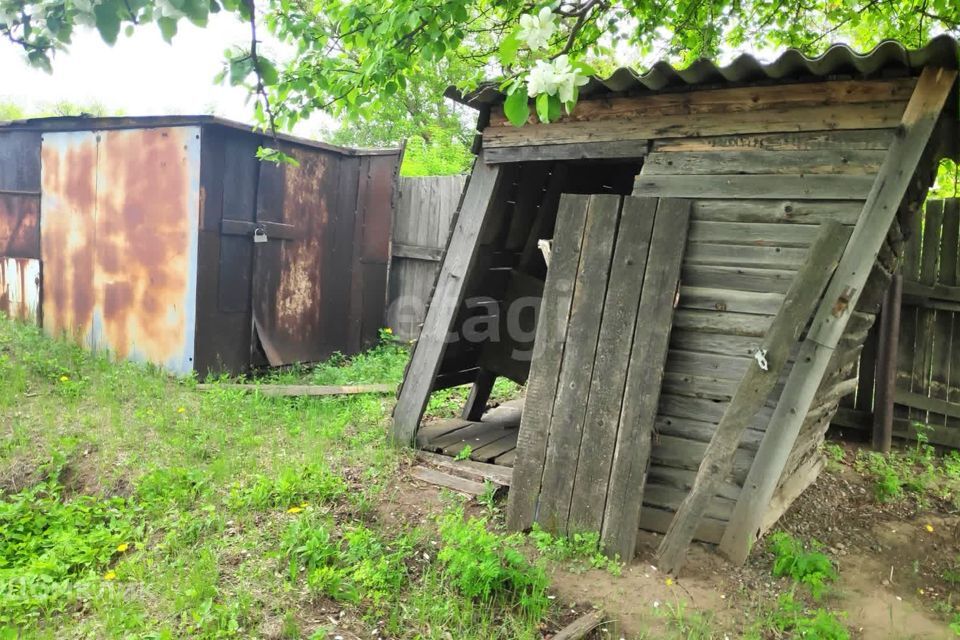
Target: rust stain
20,288
66,242
19,226
842,302
116,240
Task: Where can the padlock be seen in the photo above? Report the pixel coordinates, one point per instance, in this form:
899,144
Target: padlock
259,235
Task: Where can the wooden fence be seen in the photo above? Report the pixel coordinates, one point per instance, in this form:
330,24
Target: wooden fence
927,383
424,211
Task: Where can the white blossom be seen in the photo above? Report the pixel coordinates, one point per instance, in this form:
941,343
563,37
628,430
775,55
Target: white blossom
536,30
567,78
542,79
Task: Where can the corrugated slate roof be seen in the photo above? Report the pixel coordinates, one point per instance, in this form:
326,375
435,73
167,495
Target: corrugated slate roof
839,59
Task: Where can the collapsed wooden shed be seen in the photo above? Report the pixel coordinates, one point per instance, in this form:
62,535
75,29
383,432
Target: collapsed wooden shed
720,242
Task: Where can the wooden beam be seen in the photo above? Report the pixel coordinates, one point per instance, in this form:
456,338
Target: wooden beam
301,389
448,293
478,471
879,211
615,150
579,628
886,379
447,481
479,394
752,392
416,252
651,339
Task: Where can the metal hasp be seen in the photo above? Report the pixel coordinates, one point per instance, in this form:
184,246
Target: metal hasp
165,240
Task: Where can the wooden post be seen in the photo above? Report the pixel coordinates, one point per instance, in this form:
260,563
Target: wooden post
447,296
753,390
887,366
899,166
479,394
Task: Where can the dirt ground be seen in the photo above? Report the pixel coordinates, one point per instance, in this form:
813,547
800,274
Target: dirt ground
890,562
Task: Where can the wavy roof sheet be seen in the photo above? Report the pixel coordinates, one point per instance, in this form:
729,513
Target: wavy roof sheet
888,57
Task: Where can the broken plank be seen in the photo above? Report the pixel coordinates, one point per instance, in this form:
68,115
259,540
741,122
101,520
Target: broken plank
300,389
478,471
462,485
752,392
572,151
579,628
737,161
650,343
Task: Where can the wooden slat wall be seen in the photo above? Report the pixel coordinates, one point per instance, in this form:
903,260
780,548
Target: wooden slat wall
742,254
421,226
928,358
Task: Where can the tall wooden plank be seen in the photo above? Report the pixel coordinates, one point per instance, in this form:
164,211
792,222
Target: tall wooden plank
879,211
580,351
545,365
621,517
610,369
906,351
943,322
949,275
461,253
926,318
752,392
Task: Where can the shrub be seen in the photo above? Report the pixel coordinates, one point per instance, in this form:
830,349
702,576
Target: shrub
811,568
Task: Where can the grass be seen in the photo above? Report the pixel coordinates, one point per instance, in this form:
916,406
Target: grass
132,505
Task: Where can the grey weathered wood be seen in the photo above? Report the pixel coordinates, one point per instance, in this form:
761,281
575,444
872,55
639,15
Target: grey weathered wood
441,479
650,342
682,479
301,389
667,497
739,324
750,256
741,278
924,403
776,234
425,361
926,317
495,449
477,471
580,627
887,366
850,140
756,186
840,299
610,367
712,364
752,393
579,354
479,394
729,300
572,151
655,519
416,252
777,211
545,365
680,452
737,161
701,431
718,343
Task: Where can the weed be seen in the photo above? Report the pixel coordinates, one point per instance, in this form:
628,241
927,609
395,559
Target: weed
791,616
811,568
693,625
487,567
582,549
464,453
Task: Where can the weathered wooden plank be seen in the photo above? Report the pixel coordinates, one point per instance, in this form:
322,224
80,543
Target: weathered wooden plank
840,299
742,278
777,211
507,460
610,368
902,428
701,431
416,252
477,471
685,384
650,343
730,100
579,355
926,317
744,255
838,162
654,519
300,389
439,428
581,627
940,372
738,324
753,391
441,479
477,434
759,233
682,479
906,348
726,345
849,140
572,151
495,449
805,187
449,290
873,115
949,266
707,364
925,403
729,300
667,497
545,365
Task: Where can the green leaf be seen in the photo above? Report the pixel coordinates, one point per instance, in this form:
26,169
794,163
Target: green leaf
517,107
108,22
268,72
548,107
508,49
168,28
584,68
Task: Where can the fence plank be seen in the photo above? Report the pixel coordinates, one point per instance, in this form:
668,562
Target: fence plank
943,322
926,318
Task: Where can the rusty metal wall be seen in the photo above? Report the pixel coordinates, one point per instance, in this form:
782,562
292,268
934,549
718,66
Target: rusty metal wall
20,288
119,235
